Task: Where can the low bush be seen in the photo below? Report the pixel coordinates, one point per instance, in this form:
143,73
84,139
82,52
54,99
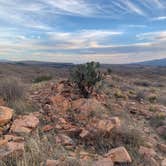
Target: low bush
42,78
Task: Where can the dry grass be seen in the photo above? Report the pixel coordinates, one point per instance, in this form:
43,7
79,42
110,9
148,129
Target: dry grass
37,150
11,89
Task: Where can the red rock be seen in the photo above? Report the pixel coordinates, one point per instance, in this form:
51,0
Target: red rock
52,163
85,105
24,124
84,133
163,163
148,152
13,138
161,130
5,115
11,145
162,147
103,162
119,155
106,125
3,142
64,140
60,103
47,128
2,102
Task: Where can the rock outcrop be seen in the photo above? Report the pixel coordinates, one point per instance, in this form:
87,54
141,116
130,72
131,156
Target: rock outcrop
24,124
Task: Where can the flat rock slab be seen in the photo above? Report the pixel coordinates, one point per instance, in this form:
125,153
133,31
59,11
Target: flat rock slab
24,124
119,155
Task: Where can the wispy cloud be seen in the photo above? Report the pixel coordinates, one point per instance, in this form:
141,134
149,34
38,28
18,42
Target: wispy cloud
160,18
153,36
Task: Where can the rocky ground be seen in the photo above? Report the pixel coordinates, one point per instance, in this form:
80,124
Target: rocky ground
121,124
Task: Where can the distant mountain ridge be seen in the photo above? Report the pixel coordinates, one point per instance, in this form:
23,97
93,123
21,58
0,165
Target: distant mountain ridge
156,62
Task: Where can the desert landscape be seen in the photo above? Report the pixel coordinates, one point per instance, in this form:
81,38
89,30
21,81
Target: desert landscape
47,121
82,82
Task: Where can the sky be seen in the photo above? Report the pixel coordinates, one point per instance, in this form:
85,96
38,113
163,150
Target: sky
77,31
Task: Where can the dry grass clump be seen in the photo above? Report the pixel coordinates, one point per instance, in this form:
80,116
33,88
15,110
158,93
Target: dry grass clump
11,89
102,143
37,150
23,107
158,120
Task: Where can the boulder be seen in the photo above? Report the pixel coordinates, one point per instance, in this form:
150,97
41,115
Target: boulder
5,115
119,155
147,152
24,124
60,103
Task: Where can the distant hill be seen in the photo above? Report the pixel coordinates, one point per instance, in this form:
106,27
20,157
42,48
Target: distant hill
156,62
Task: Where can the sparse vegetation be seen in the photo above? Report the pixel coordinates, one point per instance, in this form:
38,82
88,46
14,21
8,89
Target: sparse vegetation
11,89
86,76
158,120
82,120
42,78
152,98
109,71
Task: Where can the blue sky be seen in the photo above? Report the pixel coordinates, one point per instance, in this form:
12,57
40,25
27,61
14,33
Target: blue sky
108,31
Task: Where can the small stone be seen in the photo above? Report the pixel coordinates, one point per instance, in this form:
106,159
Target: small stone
47,128
161,130
64,140
163,163
148,152
5,115
103,162
84,133
52,163
162,147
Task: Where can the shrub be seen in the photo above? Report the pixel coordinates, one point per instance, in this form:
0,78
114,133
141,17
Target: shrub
152,99
11,89
86,76
109,70
42,78
140,96
119,94
158,120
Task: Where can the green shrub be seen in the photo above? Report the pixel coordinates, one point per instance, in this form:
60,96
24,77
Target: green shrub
152,99
109,70
86,76
42,78
11,89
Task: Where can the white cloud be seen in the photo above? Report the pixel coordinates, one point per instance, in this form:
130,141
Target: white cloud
83,38
159,18
152,36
